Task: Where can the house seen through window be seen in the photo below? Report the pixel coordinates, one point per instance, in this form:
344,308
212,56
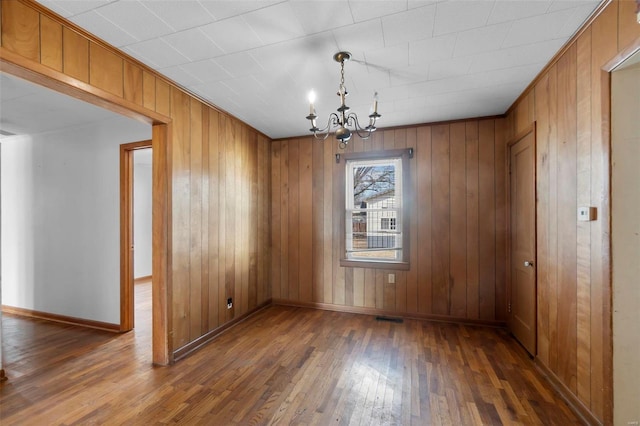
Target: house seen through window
374,210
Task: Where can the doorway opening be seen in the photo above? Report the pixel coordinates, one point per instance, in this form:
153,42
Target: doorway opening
136,184
161,349
625,237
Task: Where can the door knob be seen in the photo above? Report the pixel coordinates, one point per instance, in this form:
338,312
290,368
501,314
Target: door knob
527,263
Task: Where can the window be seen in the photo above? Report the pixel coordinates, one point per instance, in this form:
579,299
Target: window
388,223
375,221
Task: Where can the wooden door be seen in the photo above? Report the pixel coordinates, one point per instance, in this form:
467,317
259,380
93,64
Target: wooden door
522,304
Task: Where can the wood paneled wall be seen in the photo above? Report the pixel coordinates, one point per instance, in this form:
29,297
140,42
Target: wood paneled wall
216,169
570,104
220,218
457,232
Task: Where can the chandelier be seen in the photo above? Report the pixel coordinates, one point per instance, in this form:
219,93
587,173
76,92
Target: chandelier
343,119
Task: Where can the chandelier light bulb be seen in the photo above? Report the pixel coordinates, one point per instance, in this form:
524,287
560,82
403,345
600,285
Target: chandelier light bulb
312,99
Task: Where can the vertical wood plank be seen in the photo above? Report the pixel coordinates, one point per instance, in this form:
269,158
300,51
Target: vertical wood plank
440,207
276,220
348,286
318,221
240,244
105,69
370,288
241,266
148,90
214,219
51,43
379,280
412,274
500,143
567,208
458,223
222,214
265,191
423,246
327,253
583,315
284,219
75,55
263,219
305,219
195,220
21,29
524,114
294,219
472,222
162,97
553,220
358,286
338,206
180,217
253,220
543,135
133,83
230,132
486,188
377,142
244,248
204,295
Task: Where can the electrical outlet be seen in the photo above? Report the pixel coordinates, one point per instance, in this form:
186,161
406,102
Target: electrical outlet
229,303
392,278
634,423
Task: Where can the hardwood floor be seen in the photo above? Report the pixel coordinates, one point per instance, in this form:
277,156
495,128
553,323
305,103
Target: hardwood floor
282,366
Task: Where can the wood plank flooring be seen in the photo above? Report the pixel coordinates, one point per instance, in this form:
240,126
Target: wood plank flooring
282,366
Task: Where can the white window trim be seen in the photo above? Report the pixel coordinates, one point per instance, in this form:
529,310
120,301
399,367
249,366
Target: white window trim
402,220
351,252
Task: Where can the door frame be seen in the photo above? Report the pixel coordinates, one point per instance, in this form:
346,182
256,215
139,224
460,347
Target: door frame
517,138
127,279
21,67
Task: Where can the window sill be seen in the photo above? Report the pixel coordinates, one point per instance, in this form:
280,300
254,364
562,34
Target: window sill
398,266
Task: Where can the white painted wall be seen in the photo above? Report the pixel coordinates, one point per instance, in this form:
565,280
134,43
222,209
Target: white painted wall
142,199
60,219
625,219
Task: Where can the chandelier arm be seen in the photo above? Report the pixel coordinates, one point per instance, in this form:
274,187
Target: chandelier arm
322,134
363,132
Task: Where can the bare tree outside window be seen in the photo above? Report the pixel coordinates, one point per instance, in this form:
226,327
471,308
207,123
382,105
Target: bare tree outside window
372,181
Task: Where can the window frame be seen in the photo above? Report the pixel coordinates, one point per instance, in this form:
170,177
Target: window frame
388,223
407,201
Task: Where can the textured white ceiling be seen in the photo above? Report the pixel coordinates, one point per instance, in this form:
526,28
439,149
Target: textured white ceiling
26,108
429,60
